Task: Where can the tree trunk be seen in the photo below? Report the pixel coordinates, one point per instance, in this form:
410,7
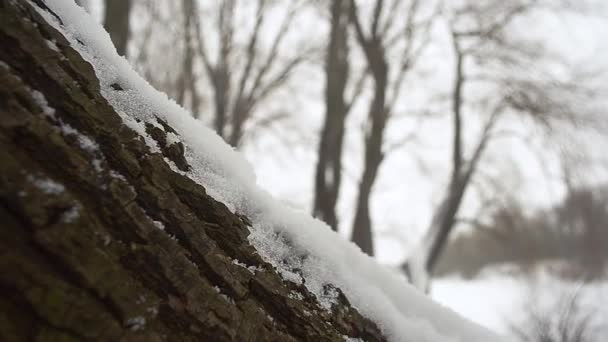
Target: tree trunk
187,82
377,118
101,240
329,166
116,22
421,263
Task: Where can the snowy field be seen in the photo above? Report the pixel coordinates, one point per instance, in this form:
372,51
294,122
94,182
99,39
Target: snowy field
498,300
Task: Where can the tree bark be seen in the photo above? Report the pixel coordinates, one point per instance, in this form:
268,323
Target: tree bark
116,22
104,241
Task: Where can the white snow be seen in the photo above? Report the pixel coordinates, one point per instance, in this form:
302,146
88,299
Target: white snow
172,138
159,225
53,45
224,296
85,142
499,299
71,214
251,269
42,103
136,323
46,185
302,249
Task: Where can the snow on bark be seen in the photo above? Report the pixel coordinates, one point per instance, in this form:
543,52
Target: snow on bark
302,249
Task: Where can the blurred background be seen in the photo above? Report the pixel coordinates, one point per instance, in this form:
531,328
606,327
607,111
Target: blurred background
462,142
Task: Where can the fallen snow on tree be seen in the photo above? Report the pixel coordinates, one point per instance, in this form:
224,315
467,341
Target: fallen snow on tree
302,249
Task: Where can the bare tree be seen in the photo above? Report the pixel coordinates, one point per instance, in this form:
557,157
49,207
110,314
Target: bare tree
241,80
159,47
516,90
383,35
116,22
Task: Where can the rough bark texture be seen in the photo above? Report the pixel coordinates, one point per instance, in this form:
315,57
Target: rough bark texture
80,255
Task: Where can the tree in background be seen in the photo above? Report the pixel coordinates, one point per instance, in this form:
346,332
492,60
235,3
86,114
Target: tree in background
485,52
571,234
566,320
116,22
384,37
241,79
186,83
209,53
328,175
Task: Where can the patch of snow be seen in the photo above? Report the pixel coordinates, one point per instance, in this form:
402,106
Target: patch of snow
117,175
224,296
71,214
251,269
46,185
140,128
302,249
141,299
153,310
498,300
97,165
159,225
87,143
136,323
295,295
156,124
53,45
42,103
172,138
84,141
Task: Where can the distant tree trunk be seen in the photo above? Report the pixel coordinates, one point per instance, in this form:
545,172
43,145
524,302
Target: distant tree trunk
187,81
421,263
362,227
413,34
329,166
116,22
105,241
240,113
377,118
426,255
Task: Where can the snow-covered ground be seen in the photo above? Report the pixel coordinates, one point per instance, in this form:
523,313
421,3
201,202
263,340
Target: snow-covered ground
498,299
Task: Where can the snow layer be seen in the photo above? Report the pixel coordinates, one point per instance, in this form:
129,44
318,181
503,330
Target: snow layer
498,298
288,239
